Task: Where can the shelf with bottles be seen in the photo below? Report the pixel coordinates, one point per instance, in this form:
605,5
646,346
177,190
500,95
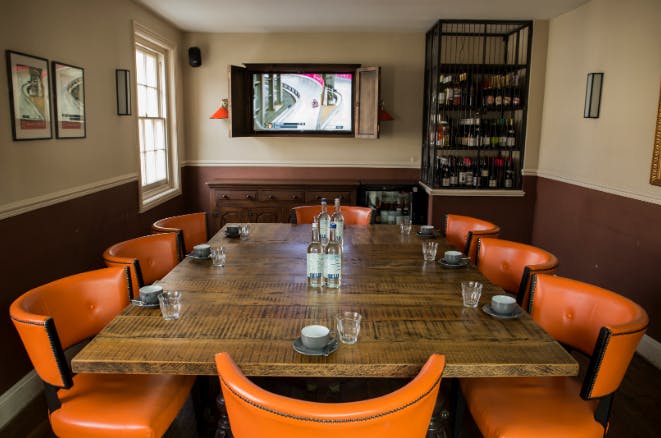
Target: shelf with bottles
482,170
475,132
488,92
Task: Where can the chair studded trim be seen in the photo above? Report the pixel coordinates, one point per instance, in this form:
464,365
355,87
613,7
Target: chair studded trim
127,274
327,421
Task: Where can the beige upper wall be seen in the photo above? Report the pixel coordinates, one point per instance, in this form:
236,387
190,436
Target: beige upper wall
612,153
97,36
401,57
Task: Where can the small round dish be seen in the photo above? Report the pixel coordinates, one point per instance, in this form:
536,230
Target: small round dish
426,235
445,264
515,314
194,257
138,303
330,348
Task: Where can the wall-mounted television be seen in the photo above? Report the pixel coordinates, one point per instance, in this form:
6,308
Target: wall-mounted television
303,100
307,102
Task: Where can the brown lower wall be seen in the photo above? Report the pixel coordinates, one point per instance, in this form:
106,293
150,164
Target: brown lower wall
512,214
603,239
59,240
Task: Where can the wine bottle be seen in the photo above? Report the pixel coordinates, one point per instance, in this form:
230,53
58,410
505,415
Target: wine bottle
338,219
333,261
324,221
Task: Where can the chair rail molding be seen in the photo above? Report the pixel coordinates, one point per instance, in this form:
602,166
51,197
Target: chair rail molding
229,163
18,396
37,202
650,349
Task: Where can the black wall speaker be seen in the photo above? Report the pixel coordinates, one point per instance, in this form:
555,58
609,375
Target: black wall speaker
194,57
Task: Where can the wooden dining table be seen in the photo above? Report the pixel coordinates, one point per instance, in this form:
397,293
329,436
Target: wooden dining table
255,306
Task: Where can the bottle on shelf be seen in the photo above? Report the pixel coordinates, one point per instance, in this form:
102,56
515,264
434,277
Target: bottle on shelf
333,261
468,169
315,259
511,136
484,172
502,133
498,94
508,180
324,221
493,174
338,219
454,172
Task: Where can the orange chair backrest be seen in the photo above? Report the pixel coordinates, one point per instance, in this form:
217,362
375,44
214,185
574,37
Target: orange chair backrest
57,315
149,258
254,412
510,265
192,229
462,233
596,321
353,215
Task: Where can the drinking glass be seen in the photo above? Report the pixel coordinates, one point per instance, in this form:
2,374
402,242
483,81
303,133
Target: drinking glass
348,326
244,231
429,250
405,225
471,292
170,303
218,256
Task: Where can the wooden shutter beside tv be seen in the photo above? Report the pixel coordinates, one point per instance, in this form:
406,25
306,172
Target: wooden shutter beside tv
239,110
367,102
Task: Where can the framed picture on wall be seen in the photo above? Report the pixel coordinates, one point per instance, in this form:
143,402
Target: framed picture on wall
29,97
69,93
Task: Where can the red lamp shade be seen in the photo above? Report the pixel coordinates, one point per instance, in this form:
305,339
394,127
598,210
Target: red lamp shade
221,113
385,116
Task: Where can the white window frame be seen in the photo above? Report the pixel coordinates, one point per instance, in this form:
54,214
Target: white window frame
157,193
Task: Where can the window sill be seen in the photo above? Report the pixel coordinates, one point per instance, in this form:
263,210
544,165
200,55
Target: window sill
155,199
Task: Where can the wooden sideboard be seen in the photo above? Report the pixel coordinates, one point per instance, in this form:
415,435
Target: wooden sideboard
270,201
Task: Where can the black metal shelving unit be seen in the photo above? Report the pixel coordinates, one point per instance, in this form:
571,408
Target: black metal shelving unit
475,104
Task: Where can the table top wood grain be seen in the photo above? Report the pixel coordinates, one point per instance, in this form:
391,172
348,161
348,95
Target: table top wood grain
255,306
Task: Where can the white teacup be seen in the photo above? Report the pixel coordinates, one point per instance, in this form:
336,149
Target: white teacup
453,257
502,304
202,250
315,337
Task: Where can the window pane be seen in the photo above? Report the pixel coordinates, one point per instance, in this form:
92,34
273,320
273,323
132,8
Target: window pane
142,97
150,167
160,165
152,102
149,135
159,134
141,134
140,66
151,78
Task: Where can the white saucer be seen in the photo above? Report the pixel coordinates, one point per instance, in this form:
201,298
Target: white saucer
328,349
194,257
489,311
433,234
146,306
461,264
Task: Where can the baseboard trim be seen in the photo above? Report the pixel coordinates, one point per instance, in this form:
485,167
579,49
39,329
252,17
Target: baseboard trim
37,202
650,349
19,396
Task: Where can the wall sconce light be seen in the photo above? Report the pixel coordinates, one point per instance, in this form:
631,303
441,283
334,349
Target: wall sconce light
384,116
221,113
123,85
593,95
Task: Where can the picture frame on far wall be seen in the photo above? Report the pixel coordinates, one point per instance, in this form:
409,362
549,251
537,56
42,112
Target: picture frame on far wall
29,96
69,100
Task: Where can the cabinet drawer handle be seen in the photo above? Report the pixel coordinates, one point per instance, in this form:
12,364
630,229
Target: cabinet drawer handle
271,197
225,197
294,197
248,196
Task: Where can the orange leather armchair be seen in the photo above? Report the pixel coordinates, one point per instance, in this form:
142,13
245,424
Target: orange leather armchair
462,233
510,265
149,258
53,317
353,215
191,229
600,323
254,412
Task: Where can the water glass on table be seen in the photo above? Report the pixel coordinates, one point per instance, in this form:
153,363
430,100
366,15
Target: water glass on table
471,292
348,326
405,225
244,231
429,249
170,303
218,256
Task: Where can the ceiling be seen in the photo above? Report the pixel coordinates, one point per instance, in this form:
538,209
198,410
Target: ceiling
343,15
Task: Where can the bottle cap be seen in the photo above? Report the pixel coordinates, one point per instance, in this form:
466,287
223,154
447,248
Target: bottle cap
333,225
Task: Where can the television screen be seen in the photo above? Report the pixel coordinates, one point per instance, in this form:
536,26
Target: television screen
302,102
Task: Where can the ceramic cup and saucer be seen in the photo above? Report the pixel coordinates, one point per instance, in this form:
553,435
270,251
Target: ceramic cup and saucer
426,231
200,252
453,259
316,340
232,231
502,307
148,296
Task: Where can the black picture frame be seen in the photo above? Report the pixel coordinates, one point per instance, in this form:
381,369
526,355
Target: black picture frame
29,96
593,95
69,100
123,86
